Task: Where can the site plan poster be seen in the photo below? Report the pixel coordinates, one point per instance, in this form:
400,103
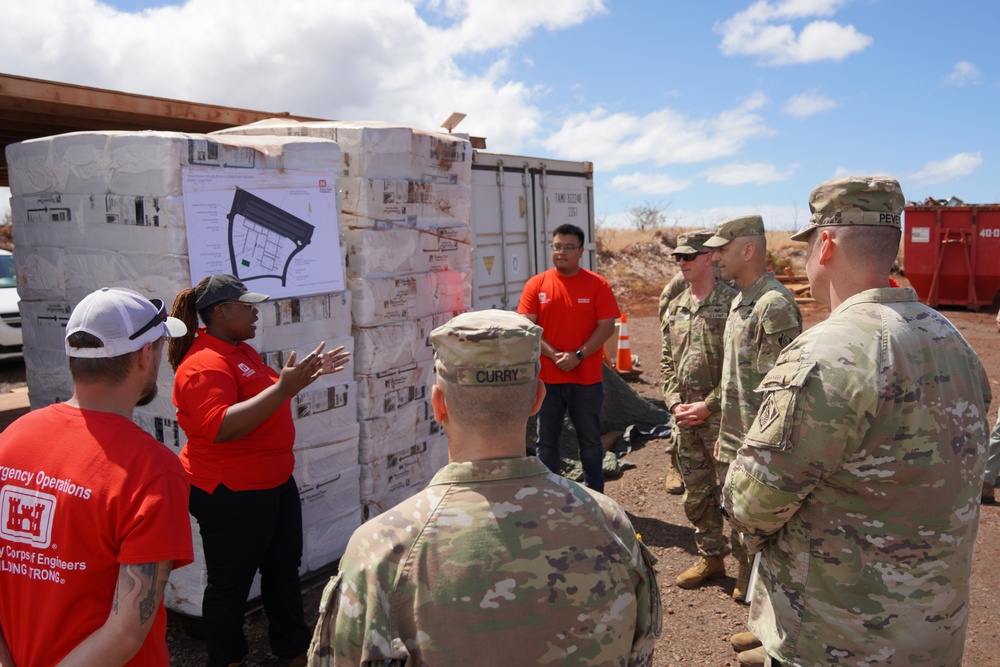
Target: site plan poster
278,232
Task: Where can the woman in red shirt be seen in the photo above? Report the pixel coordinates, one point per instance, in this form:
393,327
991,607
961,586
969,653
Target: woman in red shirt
236,413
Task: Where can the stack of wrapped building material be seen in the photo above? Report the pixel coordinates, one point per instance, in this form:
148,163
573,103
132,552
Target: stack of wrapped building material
128,210
406,200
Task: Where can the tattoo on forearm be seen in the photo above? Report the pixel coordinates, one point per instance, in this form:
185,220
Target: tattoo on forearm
139,580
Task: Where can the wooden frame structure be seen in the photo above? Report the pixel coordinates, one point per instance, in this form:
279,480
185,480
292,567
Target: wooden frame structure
32,108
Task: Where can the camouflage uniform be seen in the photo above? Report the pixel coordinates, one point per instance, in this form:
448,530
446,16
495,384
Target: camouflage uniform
993,453
692,366
859,481
497,562
672,289
763,320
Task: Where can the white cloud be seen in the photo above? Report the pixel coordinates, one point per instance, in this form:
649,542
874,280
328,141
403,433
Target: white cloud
391,60
949,169
807,104
963,74
763,30
757,173
662,137
485,26
648,184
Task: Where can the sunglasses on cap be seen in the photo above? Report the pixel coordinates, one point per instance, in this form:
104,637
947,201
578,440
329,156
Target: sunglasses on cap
159,318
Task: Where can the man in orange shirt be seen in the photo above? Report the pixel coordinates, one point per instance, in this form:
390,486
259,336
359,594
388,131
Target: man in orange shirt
576,310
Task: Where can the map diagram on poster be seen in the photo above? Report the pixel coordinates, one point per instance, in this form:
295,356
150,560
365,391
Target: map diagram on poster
263,239
278,232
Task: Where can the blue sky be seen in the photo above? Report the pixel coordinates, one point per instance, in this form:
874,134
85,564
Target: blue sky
704,109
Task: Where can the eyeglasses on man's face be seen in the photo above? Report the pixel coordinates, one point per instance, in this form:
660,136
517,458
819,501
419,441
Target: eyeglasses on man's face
690,257
558,247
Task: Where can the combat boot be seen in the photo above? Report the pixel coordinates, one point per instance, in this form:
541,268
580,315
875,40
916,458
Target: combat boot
744,641
707,567
989,494
755,657
674,483
742,582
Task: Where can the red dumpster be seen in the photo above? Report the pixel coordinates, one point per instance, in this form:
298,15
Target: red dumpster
951,254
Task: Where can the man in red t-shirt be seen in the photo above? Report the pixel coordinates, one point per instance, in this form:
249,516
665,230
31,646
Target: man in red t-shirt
93,510
576,310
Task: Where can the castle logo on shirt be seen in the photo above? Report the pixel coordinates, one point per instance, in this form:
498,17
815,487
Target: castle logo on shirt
543,297
26,516
246,370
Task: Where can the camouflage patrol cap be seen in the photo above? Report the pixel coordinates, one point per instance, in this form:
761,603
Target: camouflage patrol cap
488,348
747,225
869,201
689,243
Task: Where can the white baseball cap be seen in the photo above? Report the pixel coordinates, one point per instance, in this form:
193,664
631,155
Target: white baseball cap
122,320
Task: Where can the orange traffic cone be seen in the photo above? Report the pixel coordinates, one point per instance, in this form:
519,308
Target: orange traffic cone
623,362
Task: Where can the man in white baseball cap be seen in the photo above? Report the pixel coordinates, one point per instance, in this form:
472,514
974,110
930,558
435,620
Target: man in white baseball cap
93,510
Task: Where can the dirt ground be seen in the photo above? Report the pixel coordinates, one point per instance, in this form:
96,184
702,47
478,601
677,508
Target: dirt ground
698,623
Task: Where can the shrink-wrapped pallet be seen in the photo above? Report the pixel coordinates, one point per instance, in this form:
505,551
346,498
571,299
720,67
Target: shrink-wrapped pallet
409,297
377,253
135,210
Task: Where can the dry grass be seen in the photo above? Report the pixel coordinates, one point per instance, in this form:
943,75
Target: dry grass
616,240
782,252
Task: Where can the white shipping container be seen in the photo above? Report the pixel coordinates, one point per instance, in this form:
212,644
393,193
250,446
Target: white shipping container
517,202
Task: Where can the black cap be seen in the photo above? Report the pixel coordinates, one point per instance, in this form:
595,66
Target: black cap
224,287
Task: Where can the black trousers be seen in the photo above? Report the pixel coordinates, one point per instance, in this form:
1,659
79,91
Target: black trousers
242,532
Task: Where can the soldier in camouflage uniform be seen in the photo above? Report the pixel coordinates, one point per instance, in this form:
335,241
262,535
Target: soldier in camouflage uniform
763,319
672,289
859,479
673,483
498,561
692,326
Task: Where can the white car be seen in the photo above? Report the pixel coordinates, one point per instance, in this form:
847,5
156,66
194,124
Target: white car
10,316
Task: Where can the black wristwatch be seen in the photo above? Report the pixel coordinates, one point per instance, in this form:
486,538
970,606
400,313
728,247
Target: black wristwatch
579,354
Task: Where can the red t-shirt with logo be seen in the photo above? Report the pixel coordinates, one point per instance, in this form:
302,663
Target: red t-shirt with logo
568,310
213,376
81,493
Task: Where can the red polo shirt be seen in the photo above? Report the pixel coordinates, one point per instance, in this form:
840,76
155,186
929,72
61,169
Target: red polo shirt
214,376
568,310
